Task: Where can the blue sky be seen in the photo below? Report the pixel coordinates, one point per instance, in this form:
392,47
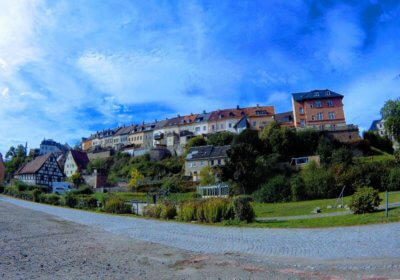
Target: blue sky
68,68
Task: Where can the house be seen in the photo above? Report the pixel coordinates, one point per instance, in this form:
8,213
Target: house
200,157
87,143
200,124
2,170
142,136
321,109
76,161
378,126
41,171
50,146
121,137
159,133
285,119
228,120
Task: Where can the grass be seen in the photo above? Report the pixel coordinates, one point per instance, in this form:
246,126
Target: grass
285,209
337,221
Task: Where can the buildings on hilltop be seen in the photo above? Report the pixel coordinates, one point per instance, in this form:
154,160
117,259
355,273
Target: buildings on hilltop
317,109
378,127
48,146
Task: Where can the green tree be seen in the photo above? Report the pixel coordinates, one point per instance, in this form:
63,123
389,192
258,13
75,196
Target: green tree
136,178
195,142
76,179
220,138
207,176
391,116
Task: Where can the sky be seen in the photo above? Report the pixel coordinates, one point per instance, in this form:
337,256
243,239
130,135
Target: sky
71,67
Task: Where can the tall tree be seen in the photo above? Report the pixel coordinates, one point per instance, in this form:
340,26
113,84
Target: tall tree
391,116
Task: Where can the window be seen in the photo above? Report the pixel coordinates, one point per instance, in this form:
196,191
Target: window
261,113
219,162
222,126
311,105
230,125
302,123
198,128
213,127
204,128
313,117
254,124
301,110
320,116
331,115
329,103
318,104
212,162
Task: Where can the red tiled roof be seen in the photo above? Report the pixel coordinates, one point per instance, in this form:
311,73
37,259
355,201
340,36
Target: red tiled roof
34,166
241,112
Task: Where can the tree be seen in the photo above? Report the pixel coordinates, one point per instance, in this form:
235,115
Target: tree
136,179
279,140
195,142
207,176
382,143
76,179
391,116
16,158
220,138
241,166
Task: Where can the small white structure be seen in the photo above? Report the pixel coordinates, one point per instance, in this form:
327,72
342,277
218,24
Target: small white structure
219,190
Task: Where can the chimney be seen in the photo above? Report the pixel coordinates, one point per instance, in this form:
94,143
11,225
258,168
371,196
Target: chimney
204,111
258,105
237,107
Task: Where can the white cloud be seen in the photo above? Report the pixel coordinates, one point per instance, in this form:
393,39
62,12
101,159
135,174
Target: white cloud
366,96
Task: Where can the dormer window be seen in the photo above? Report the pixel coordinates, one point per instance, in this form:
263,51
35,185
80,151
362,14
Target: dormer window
318,104
261,113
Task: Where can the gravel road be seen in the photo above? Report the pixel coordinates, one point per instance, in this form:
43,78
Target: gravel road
51,241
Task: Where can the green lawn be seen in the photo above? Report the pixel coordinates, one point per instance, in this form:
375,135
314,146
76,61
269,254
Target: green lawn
337,221
285,209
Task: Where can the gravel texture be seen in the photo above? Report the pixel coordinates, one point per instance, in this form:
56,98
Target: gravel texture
61,243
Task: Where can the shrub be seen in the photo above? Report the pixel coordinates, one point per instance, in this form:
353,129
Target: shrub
365,200
187,211
36,195
394,179
297,188
53,199
117,205
243,209
83,190
342,156
217,210
277,189
318,182
86,202
21,186
70,200
168,211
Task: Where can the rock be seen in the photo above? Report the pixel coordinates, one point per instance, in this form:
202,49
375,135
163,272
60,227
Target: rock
317,210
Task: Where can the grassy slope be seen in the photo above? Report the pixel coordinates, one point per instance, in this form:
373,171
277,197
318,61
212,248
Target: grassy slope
305,207
338,221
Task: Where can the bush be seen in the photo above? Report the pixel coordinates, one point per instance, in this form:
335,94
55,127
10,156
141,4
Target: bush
277,189
318,182
188,210
36,195
365,200
21,186
117,205
86,202
394,179
83,190
168,211
297,188
217,210
342,156
242,209
70,200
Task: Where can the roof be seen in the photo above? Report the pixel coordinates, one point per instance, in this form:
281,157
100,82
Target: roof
81,159
284,117
258,111
125,130
50,142
34,165
374,125
315,94
206,152
202,117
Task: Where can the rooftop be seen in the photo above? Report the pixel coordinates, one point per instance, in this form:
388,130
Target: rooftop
315,94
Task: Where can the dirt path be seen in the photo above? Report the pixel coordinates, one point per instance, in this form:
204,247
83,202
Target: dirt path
37,245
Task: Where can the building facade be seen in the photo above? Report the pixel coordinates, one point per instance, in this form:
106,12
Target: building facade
42,171
200,157
50,146
76,161
322,109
